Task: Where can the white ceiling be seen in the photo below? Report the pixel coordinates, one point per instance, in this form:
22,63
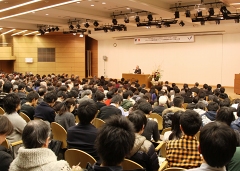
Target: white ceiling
59,16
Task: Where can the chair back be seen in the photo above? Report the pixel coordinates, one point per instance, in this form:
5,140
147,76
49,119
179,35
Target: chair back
159,119
165,130
98,122
6,144
2,111
59,133
130,165
175,169
74,157
15,147
25,117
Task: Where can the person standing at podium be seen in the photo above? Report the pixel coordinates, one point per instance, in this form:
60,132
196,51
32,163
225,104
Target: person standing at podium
137,70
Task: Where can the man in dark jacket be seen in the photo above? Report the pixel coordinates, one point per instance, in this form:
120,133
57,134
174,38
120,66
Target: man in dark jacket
143,151
210,115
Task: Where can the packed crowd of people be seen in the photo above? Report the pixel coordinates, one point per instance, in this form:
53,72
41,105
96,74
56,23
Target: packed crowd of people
128,132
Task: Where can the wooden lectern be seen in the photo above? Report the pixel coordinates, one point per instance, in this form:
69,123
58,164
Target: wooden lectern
142,78
237,84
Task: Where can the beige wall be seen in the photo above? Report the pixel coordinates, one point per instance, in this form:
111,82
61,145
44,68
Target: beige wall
69,54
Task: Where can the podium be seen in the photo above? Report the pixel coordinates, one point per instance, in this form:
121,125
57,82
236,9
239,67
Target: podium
142,78
237,84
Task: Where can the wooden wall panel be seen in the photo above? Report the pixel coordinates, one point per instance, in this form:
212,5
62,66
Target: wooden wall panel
92,45
69,54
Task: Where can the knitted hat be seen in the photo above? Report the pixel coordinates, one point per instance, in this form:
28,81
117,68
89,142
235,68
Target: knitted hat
162,100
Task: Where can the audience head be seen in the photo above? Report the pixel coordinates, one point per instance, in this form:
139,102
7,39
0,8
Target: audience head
201,94
200,105
117,99
139,120
67,105
110,94
217,144
42,90
50,97
196,84
115,140
213,106
61,94
176,131
99,96
87,111
145,107
222,90
6,128
190,122
219,86
7,87
11,103
162,100
126,95
225,102
36,134
32,97
178,101
225,114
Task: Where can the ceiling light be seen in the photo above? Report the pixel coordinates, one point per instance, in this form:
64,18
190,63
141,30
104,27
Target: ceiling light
81,35
202,22
128,8
95,23
74,34
46,14
137,19
57,28
86,25
19,32
159,26
19,5
0,28
211,11
78,26
188,13
224,11
8,31
182,24
31,33
150,17
92,5
103,3
199,14
53,29
126,19
39,9
176,14
71,26
49,29
114,21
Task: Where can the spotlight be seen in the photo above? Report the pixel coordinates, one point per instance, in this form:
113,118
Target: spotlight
81,35
78,26
89,32
105,29
95,23
217,22
40,30
167,25
74,34
57,28
188,13
211,11
125,28
176,14
86,25
199,14
71,26
236,20
137,19
114,21
225,12
49,29
202,22
53,29
182,24
159,26
126,19
150,17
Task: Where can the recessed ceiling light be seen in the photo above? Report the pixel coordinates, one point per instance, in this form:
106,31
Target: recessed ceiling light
92,5
103,3
0,28
78,2
128,8
46,14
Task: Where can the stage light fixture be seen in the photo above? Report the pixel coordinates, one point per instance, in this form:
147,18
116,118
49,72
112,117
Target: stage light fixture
124,28
150,17
81,35
217,22
236,20
202,23
199,14
114,21
71,26
49,29
188,13
89,32
105,29
78,26
137,19
182,24
211,11
167,25
57,28
126,19
176,14
159,26
95,23
225,11
53,29
86,25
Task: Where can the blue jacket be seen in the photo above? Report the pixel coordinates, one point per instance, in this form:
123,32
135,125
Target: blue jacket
236,124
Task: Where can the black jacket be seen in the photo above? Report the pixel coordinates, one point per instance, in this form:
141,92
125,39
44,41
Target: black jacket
108,111
45,112
5,159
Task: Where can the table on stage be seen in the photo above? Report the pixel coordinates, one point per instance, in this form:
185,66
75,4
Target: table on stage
142,78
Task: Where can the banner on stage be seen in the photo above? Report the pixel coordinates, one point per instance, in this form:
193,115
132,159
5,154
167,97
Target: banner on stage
169,39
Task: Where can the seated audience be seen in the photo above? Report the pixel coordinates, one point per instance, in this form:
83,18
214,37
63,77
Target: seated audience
29,106
11,105
7,88
99,96
83,135
217,146
184,152
143,151
109,97
86,95
195,88
210,115
162,105
35,155
64,116
177,105
127,103
236,124
201,97
6,128
44,110
22,92
200,108
41,91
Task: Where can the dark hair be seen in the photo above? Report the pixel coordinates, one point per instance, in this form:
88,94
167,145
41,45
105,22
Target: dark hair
99,95
217,144
138,119
50,97
6,127
7,87
110,94
226,102
35,134
116,99
66,105
21,86
117,130
72,94
178,101
32,95
225,114
145,107
196,84
176,131
42,91
62,94
222,90
190,122
63,88
125,94
201,94
219,85
212,106
87,111
200,105
10,103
